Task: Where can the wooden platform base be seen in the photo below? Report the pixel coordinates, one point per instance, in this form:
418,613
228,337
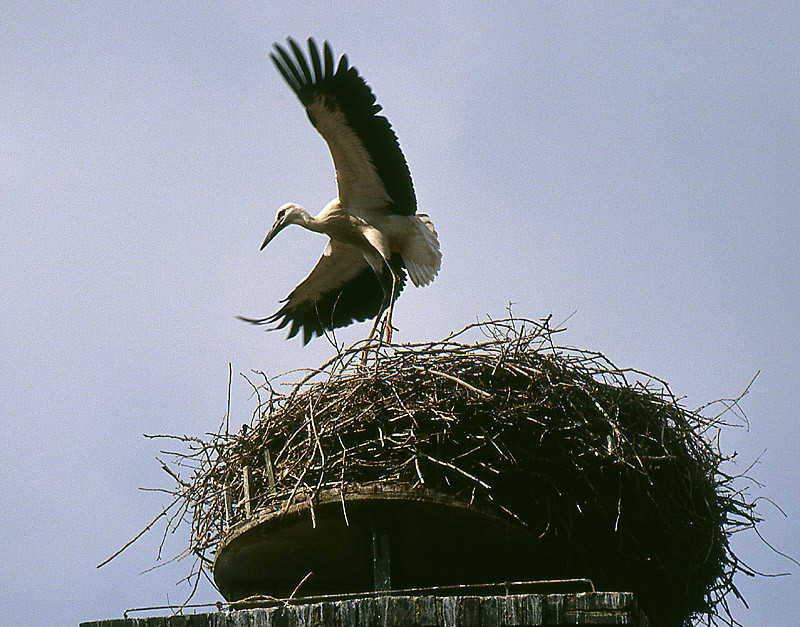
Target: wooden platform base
391,538
585,608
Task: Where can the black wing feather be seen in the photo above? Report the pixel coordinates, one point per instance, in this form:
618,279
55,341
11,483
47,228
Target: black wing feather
342,90
360,298
342,68
315,62
301,60
328,52
282,69
296,81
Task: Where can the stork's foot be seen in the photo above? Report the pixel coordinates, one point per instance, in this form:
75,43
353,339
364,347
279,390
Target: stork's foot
368,345
372,334
387,328
380,334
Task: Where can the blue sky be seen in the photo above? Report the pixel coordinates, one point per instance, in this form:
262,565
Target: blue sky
635,169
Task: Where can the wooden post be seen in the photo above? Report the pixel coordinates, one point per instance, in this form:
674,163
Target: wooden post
381,562
270,474
228,508
246,480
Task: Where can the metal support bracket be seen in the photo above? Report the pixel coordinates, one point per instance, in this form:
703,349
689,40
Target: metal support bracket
381,562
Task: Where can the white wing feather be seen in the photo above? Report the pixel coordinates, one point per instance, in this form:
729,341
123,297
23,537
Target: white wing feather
359,185
338,264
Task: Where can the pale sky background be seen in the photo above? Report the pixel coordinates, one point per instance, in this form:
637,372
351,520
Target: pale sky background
636,166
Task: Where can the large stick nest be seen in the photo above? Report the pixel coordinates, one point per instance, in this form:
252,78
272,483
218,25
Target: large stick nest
621,482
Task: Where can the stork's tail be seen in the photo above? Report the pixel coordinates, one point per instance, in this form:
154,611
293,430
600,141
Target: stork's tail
422,255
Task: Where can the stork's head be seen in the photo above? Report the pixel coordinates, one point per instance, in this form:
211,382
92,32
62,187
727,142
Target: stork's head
290,213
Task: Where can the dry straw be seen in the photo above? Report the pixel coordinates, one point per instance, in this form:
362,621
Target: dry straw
622,484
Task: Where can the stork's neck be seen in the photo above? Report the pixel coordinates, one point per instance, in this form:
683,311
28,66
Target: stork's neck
320,222
303,218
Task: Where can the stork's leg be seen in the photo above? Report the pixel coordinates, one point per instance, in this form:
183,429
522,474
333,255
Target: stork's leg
378,319
389,327
386,330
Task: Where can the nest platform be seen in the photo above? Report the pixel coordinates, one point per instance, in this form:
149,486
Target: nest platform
491,455
378,537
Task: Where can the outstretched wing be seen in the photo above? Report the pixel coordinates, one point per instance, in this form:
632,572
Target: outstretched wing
341,289
371,172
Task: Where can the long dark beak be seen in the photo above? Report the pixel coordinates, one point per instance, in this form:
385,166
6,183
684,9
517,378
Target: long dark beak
276,228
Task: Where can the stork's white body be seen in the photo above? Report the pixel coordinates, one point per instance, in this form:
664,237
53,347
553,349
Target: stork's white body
412,237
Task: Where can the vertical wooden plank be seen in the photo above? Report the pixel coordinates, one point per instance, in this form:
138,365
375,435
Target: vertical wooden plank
386,604
469,611
533,609
280,616
490,612
554,610
329,613
228,507
261,618
425,611
302,615
198,620
513,611
402,612
270,472
347,613
246,481
369,613
449,611
315,615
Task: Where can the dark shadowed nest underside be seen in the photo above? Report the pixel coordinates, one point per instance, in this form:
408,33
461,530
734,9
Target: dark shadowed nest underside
621,482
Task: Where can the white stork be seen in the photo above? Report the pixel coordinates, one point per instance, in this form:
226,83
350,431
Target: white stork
372,224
